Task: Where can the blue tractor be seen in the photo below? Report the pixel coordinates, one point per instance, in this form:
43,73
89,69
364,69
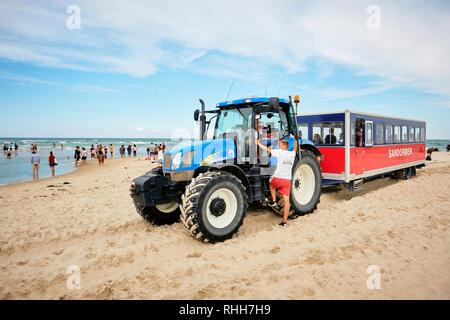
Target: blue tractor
210,183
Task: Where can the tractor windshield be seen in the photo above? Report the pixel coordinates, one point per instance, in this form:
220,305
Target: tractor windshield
233,121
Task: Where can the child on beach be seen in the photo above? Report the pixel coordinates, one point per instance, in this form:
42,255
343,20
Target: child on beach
111,150
83,156
134,150
51,163
35,160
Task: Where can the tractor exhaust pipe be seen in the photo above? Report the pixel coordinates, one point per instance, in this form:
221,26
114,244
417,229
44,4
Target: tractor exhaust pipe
202,121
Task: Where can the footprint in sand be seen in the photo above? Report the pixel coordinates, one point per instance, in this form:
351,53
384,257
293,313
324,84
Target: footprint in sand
275,250
58,252
90,255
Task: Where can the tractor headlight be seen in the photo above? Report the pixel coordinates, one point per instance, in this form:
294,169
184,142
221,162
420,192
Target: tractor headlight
176,161
187,159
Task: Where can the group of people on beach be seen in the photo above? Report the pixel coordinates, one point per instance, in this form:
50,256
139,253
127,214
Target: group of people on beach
9,148
156,151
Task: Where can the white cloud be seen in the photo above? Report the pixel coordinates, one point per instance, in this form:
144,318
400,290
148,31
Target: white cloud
235,38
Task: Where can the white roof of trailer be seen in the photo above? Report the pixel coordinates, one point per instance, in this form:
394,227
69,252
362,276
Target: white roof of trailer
357,112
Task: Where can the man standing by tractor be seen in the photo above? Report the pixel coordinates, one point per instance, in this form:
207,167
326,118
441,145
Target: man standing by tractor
282,176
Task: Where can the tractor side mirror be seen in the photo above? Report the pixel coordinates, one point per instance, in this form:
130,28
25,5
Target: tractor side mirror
196,114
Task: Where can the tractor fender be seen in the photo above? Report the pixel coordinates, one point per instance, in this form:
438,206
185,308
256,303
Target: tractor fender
230,168
311,147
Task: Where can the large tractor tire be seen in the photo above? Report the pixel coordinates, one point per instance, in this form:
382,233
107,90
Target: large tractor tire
162,214
214,206
306,186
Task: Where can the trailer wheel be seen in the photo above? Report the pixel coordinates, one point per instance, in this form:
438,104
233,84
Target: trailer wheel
214,206
306,185
162,214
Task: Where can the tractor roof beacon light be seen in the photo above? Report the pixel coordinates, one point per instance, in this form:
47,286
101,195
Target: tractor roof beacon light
296,101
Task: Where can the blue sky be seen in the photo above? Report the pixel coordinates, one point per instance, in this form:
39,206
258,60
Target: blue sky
137,68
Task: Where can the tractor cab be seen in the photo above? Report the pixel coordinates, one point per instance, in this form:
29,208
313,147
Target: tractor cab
245,120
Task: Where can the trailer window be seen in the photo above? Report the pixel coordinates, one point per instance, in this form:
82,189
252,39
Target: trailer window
369,133
404,134
303,130
328,133
422,134
389,133
317,133
411,134
379,133
417,134
396,134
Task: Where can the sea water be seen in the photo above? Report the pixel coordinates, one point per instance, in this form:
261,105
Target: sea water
18,168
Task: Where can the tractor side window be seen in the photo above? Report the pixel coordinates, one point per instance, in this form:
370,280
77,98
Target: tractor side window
404,134
379,133
269,126
389,133
303,130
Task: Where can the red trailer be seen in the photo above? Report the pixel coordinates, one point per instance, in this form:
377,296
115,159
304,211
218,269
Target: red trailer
357,145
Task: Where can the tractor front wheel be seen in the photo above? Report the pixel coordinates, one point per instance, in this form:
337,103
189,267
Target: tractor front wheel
214,206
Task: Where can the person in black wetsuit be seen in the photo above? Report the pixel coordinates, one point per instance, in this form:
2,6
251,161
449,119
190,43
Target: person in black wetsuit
77,156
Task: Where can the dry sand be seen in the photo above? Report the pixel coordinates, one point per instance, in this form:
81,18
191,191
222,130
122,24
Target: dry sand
400,226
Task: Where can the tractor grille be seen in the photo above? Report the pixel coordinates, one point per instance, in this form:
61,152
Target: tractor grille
167,161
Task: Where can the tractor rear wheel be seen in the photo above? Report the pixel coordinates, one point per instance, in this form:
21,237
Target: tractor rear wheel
306,186
214,206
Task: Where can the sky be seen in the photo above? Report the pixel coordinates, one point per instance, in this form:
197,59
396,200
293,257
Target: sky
137,68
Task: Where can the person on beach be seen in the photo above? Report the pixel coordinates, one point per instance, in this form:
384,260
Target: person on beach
83,156
448,148
77,156
100,156
134,150
160,153
16,147
129,150
282,176
35,160
106,151
62,147
51,163
163,147
111,150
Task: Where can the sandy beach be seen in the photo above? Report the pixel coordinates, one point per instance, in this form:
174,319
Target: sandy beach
86,218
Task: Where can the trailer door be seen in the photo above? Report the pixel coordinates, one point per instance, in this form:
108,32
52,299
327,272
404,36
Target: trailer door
358,159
